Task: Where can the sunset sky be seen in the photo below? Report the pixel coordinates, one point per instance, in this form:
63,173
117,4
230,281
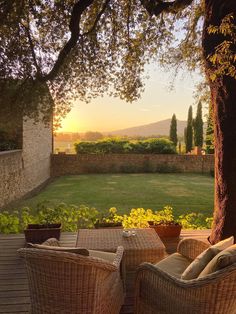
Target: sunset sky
157,103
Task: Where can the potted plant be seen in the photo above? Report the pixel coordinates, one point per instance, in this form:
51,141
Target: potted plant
112,220
164,224
43,226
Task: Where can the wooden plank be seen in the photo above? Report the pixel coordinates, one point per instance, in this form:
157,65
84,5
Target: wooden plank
15,308
12,281
14,293
15,300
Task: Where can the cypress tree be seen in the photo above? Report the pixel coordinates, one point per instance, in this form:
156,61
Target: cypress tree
189,131
210,132
198,126
173,130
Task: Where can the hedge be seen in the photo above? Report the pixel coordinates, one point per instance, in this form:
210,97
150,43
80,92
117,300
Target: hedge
124,146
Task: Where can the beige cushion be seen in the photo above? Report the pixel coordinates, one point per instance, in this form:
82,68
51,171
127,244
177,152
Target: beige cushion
174,265
200,262
223,259
75,250
198,265
103,255
224,244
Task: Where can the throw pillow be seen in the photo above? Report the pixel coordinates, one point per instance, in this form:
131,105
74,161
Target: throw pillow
222,245
198,265
223,259
200,262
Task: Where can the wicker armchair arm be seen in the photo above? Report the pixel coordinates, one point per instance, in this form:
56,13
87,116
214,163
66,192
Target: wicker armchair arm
119,255
191,248
158,292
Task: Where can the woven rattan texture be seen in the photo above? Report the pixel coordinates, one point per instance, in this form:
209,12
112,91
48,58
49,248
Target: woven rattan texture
68,283
145,246
156,292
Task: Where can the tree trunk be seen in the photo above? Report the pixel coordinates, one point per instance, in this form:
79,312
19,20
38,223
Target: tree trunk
223,93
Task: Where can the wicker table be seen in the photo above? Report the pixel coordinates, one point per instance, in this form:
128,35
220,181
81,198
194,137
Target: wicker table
145,246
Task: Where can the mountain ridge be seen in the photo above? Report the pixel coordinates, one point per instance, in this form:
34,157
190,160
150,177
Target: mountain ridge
160,128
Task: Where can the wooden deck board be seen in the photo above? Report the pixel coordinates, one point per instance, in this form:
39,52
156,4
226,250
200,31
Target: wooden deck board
14,293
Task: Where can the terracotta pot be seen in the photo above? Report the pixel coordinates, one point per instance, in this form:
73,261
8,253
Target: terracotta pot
167,231
36,233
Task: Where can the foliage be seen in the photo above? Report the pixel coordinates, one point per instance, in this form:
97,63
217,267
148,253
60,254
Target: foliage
224,57
83,51
121,146
173,130
7,145
195,221
164,216
71,217
198,126
9,223
210,133
100,46
188,132
92,136
140,218
6,142
137,218
112,217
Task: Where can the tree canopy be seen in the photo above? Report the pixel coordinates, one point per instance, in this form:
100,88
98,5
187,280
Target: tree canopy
90,47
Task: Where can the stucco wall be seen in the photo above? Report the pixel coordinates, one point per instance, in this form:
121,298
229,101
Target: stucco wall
79,164
24,170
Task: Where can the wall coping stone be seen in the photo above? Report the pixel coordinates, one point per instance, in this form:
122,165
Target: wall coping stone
10,152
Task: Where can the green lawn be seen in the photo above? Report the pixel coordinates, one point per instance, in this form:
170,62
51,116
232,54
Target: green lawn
184,192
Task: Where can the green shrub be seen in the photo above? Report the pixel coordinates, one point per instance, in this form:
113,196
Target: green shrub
9,223
72,217
195,221
121,146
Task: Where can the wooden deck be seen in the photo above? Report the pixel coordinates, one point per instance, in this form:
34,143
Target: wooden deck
14,293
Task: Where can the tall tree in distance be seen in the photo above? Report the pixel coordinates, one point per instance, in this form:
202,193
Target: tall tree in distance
210,132
198,126
173,130
189,131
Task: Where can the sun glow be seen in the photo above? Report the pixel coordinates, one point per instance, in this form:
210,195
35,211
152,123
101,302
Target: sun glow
105,114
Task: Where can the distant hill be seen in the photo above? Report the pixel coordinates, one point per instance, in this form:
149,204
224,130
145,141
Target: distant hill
156,128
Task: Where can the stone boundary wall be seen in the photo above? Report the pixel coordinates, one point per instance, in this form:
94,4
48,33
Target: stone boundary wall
63,164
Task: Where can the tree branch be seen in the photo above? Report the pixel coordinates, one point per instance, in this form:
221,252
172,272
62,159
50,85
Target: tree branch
76,14
156,7
97,18
27,28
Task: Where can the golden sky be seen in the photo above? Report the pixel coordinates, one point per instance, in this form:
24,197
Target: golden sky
157,103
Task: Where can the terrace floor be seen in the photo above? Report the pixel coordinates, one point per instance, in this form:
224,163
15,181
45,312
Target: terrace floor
14,293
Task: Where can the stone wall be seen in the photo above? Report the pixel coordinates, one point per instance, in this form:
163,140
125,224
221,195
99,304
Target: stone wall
22,171
63,164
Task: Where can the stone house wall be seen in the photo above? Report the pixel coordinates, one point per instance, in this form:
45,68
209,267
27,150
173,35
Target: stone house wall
22,171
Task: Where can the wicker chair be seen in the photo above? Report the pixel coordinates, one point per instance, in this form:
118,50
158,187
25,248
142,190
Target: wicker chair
62,282
158,292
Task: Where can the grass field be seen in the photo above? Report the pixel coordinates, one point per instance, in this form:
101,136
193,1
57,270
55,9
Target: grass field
184,192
